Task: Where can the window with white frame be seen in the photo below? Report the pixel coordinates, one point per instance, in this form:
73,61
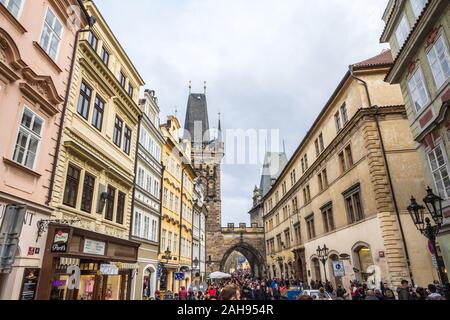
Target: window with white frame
417,6
145,226
439,168
439,60
418,90
28,139
402,31
51,34
13,6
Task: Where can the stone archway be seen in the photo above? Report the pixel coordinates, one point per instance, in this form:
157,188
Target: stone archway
253,256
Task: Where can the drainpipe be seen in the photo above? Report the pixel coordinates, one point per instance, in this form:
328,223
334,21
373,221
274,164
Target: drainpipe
388,171
91,21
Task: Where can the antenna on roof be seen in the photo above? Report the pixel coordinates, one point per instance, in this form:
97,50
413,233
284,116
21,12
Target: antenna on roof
204,87
190,86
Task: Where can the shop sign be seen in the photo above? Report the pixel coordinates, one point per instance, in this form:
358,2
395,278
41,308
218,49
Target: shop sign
29,284
338,268
109,269
60,241
179,276
94,247
32,251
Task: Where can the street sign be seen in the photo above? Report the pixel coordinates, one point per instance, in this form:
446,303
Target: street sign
179,276
338,268
434,261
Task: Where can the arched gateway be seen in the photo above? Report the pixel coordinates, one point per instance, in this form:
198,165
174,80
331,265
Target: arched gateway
207,154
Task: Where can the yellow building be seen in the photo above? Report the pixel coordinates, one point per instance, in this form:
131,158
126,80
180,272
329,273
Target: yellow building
347,187
95,171
177,209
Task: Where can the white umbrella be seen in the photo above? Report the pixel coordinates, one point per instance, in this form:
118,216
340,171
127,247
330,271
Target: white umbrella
219,275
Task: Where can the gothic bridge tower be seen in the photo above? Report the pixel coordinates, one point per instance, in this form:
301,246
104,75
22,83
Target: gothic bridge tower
207,155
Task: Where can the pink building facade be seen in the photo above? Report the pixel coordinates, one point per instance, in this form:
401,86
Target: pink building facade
36,49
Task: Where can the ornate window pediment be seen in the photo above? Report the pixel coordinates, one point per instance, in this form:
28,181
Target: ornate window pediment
41,89
10,61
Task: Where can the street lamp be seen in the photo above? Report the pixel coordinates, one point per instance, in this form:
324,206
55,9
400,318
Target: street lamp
322,253
417,213
167,255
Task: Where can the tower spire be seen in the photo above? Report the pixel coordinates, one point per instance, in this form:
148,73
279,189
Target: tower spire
190,87
204,87
219,128
284,147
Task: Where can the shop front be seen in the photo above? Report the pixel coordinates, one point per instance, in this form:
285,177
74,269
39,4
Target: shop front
85,265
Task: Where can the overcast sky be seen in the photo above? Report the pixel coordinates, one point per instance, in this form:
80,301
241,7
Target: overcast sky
269,64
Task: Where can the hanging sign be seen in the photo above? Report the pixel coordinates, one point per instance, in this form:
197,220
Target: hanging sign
94,247
179,276
60,241
29,284
338,269
109,269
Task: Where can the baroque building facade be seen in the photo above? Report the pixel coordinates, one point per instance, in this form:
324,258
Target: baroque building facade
418,32
36,41
94,180
347,187
147,197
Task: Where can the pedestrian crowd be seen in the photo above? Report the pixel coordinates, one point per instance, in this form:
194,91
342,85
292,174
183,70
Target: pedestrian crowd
242,286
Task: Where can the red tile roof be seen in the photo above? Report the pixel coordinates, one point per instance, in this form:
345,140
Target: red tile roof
383,59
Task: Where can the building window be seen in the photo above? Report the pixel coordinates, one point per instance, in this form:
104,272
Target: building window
328,219
175,243
97,117
93,41
117,137
71,188
171,201
127,140
287,238
337,121
28,139
84,100
322,178
110,203
130,90
344,113
402,31
417,90
346,159
88,193
353,205
120,207
310,227
417,6
51,34
293,178
137,224
13,6
307,194
439,60
163,240
279,243
122,79
165,197
439,168
105,56
298,236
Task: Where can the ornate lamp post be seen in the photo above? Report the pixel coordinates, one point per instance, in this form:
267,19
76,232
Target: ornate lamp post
167,256
322,253
417,213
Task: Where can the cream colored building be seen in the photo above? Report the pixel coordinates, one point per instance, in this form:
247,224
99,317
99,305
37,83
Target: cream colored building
347,186
418,32
177,209
95,170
